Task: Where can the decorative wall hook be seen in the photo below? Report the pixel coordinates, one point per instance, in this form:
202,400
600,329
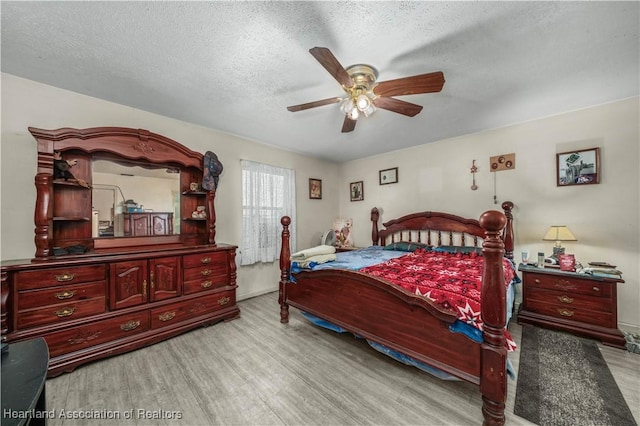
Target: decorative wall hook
474,170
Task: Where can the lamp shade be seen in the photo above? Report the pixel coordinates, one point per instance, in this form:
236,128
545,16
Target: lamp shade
559,233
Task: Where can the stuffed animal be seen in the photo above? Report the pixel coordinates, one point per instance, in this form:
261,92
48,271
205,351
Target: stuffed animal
62,170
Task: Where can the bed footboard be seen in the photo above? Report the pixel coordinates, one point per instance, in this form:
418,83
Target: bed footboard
379,311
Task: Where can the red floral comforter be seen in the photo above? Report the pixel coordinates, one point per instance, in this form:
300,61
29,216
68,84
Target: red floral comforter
451,280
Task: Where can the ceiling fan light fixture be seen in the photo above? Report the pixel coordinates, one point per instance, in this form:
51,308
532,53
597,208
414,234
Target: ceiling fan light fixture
369,110
363,102
354,114
347,105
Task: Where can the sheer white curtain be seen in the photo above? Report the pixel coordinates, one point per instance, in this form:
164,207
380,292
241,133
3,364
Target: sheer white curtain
268,193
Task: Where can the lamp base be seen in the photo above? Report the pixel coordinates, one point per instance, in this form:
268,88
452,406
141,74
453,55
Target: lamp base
557,251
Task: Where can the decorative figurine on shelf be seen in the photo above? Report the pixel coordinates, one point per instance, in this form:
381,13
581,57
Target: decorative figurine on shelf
200,213
212,168
62,170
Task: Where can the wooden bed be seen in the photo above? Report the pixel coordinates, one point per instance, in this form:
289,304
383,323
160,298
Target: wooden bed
412,325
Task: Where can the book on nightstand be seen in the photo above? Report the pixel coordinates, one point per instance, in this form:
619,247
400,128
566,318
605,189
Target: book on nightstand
602,269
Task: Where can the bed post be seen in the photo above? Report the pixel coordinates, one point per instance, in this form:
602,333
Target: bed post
507,235
375,215
493,380
285,266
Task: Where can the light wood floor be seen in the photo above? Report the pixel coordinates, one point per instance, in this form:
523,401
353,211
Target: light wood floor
256,371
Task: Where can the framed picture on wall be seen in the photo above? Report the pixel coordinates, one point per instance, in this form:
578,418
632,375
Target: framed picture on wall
388,176
315,189
578,167
356,189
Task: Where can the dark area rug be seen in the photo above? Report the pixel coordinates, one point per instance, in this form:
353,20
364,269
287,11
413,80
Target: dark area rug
563,380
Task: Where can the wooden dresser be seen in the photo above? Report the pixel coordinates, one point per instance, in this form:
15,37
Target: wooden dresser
92,297
87,308
572,302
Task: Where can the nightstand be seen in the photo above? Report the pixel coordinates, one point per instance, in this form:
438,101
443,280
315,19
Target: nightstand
577,303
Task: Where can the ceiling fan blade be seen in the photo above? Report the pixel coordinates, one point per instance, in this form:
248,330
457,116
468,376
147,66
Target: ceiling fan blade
348,124
331,64
414,85
396,105
314,104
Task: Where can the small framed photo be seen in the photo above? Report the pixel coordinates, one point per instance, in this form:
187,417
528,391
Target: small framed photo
315,189
388,176
356,189
578,167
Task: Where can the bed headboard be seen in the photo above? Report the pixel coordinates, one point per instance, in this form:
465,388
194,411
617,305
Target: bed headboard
437,228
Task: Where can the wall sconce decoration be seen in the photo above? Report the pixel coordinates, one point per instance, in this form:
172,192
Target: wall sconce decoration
474,170
499,163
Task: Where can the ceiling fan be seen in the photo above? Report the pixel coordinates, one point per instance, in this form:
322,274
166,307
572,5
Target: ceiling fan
364,94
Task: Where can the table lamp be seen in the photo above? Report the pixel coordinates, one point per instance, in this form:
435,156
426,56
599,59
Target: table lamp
558,233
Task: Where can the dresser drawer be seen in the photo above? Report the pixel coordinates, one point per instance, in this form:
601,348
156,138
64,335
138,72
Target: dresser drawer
63,294
61,312
203,259
599,318
183,311
204,272
204,284
41,278
569,300
572,285
76,338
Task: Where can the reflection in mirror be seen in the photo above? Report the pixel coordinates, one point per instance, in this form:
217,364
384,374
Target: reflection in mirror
134,200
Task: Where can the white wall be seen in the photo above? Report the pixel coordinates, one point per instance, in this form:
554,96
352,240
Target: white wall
605,217
27,103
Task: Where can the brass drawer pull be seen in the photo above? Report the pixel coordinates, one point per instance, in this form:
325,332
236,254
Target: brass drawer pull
206,284
205,260
596,289
565,299
65,312
206,272
67,294
66,277
130,325
565,312
537,281
167,316
224,300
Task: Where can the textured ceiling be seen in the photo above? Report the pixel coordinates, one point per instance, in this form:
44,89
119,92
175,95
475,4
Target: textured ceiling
236,66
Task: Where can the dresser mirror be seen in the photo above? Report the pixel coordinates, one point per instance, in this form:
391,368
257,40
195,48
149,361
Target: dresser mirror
121,192
119,187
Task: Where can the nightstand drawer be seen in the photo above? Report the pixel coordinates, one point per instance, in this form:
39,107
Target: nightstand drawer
569,300
573,285
603,319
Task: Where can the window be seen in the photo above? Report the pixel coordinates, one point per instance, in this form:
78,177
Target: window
268,193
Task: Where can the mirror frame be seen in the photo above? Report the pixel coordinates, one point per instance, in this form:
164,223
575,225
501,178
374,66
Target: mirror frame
126,144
